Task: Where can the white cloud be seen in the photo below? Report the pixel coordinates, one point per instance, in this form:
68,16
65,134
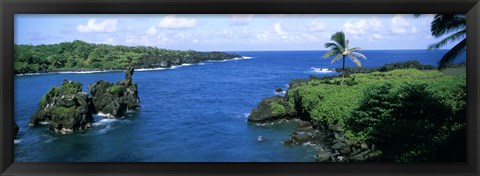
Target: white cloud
317,26
363,27
371,29
275,32
376,36
107,25
174,22
111,41
278,29
399,25
241,19
152,30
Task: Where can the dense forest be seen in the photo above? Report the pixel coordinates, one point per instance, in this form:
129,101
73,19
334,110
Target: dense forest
79,55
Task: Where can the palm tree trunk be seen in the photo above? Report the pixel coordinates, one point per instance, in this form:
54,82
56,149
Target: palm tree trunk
343,71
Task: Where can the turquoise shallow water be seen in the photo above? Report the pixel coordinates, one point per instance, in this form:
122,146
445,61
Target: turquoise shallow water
190,113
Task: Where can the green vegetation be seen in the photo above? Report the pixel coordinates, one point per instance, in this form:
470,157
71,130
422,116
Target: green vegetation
389,67
340,49
277,109
68,88
116,89
409,114
79,55
53,92
63,113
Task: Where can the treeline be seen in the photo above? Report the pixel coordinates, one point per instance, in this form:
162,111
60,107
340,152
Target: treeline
389,67
79,55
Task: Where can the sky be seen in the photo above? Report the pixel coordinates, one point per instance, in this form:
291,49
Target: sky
229,32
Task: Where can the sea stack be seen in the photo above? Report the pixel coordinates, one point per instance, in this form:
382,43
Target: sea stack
65,108
113,100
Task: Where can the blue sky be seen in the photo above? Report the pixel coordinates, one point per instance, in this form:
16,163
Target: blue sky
227,32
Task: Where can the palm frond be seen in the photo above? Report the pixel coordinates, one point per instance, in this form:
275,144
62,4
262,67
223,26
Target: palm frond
357,54
336,58
333,46
446,23
355,49
339,38
451,38
458,49
355,59
330,53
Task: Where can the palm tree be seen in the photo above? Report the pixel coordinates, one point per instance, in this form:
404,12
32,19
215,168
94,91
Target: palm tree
340,49
447,23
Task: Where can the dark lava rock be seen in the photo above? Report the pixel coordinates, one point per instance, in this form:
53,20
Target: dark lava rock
311,136
323,156
271,109
279,90
114,100
65,108
15,129
304,125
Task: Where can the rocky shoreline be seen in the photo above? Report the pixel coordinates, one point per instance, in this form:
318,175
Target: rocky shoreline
329,141
67,109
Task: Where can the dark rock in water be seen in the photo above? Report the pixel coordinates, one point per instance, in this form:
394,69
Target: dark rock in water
114,100
15,129
271,109
311,136
323,156
279,90
65,108
303,125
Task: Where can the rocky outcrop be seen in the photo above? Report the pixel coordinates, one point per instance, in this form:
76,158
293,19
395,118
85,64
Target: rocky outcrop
331,144
65,108
271,109
114,100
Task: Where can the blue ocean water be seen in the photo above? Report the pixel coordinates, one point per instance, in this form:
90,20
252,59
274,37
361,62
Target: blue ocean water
191,113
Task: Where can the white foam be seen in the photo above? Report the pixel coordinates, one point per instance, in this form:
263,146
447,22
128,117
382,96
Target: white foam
105,130
280,93
260,138
246,57
309,144
44,123
16,141
30,74
104,122
150,69
246,115
104,115
84,72
67,72
322,70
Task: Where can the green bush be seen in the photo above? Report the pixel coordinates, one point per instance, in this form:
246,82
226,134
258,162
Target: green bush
409,114
277,109
115,89
413,121
70,87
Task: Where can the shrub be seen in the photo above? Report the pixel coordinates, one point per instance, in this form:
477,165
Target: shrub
115,89
277,109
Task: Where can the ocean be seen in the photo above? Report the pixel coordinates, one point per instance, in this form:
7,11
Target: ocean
189,113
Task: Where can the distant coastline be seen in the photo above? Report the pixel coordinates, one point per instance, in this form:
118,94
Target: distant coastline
94,70
80,56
